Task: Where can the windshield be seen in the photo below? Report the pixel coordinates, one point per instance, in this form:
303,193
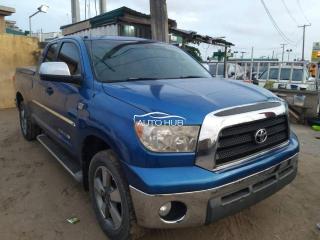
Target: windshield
141,60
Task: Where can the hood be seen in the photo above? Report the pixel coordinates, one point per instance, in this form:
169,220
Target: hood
192,99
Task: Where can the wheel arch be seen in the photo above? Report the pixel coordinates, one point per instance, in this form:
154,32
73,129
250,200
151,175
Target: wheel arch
91,145
19,99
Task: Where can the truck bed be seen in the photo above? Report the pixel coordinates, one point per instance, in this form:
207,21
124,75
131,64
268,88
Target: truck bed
30,70
24,80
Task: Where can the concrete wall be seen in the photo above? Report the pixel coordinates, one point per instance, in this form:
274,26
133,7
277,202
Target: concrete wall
2,24
15,51
311,101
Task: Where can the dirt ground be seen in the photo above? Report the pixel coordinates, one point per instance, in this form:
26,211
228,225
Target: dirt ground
37,196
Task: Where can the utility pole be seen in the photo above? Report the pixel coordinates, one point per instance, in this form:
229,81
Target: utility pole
242,54
159,20
225,63
75,11
102,6
303,38
283,45
251,65
272,54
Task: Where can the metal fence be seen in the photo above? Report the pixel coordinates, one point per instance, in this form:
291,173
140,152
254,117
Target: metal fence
250,69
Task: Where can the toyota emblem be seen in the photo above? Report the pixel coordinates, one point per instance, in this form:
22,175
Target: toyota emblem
261,136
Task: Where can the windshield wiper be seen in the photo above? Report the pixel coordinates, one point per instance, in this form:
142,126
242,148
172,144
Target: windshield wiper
153,78
140,78
190,76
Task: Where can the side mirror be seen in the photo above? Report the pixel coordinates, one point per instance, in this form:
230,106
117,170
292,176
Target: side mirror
57,72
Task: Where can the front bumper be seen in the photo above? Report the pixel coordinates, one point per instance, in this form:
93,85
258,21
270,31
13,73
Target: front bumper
206,206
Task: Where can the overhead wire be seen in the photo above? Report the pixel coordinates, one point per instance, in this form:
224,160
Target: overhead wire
289,12
274,23
301,9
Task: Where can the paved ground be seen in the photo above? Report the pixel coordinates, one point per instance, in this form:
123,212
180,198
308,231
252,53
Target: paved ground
37,195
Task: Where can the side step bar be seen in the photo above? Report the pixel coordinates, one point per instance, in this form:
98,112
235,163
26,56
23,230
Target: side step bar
61,156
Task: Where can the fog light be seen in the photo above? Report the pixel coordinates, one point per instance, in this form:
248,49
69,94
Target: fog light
172,212
165,209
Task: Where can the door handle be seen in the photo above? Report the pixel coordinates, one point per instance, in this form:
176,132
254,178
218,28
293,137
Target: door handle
49,90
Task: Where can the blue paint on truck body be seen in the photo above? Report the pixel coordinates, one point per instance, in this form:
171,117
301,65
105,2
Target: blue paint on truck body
109,111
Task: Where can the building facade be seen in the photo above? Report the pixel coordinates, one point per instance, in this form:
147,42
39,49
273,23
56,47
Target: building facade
119,22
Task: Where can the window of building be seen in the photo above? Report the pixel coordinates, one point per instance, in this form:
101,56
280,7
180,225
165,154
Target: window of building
129,30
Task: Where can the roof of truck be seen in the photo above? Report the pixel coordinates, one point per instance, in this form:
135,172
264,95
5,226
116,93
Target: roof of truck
119,38
97,37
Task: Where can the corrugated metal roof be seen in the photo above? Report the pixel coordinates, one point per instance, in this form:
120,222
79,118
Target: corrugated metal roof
112,16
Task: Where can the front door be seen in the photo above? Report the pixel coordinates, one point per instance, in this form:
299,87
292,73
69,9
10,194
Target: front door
41,91
63,98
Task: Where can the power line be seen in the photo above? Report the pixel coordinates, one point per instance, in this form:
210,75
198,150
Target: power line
284,37
289,12
301,9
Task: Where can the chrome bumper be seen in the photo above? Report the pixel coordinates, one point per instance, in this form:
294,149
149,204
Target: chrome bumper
212,204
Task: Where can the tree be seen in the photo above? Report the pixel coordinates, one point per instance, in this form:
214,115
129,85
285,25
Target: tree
193,51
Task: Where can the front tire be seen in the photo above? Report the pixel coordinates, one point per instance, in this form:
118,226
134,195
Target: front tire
29,129
110,197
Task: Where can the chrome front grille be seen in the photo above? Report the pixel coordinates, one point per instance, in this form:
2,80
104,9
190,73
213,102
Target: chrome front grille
238,141
227,136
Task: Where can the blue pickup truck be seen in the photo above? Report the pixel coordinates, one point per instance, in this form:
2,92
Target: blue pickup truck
156,140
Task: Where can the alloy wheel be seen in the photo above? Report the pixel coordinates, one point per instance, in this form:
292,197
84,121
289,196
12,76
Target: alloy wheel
108,197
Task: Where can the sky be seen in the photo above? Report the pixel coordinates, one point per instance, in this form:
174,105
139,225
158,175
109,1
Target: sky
245,23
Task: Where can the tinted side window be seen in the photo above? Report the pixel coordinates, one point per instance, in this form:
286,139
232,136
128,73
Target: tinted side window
69,54
297,75
285,74
51,53
264,75
212,69
273,73
220,69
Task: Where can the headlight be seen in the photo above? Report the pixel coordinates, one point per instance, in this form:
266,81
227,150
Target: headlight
168,138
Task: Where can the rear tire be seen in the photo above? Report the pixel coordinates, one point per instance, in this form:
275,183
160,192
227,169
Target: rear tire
29,129
110,197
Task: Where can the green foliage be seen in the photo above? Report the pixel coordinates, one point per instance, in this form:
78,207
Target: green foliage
193,51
